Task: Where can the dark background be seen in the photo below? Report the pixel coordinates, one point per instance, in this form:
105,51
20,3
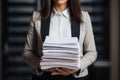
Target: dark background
15,18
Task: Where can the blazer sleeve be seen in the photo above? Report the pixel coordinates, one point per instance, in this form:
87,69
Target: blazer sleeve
88,44
28,54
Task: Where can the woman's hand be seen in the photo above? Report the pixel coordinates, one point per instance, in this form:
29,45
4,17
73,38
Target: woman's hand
50,70
64,71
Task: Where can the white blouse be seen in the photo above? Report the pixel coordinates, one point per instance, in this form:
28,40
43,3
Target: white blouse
60,24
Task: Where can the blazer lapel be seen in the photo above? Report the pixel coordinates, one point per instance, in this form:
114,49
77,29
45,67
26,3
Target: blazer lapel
45,28
75,29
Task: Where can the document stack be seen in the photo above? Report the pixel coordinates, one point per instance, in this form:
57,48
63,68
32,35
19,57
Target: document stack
61,52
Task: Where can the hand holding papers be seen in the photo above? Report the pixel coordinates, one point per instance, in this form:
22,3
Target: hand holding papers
61,52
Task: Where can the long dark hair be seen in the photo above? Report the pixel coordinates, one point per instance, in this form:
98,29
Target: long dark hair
73,5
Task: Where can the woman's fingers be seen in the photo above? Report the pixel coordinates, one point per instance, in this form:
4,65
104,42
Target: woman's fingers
65,71
69,71
49,70
62,71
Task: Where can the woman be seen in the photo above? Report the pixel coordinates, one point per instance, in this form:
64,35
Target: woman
60,18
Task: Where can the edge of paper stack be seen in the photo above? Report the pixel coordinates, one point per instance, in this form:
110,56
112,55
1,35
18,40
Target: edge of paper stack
60,52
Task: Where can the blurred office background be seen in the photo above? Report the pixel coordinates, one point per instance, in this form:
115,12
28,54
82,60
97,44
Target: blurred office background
14,19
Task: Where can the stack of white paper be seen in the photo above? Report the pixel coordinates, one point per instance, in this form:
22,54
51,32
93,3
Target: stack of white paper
61,52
